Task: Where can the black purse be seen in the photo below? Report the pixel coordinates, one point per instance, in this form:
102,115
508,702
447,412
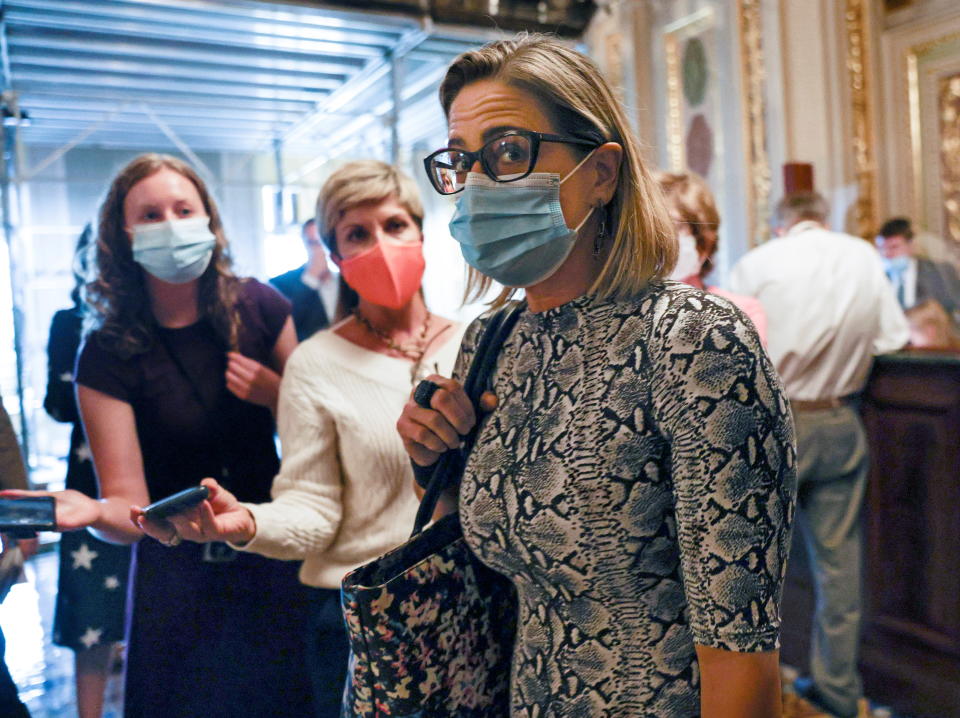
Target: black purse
431,628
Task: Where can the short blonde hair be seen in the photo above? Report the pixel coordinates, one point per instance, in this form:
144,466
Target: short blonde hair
360,182
575,96
691,201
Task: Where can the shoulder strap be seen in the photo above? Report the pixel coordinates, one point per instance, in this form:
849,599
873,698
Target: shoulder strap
449,467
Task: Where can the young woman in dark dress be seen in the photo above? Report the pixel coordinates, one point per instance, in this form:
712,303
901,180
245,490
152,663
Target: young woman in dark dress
176,382
92,581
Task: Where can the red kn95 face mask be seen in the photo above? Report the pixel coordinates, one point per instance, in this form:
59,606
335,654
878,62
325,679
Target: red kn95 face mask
387,274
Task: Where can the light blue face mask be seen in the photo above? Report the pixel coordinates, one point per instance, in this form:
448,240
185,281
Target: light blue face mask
514,232
895,266
176,251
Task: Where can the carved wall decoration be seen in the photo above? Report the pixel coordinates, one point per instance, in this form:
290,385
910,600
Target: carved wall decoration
933,79
749,23
693,117
949,112
856,18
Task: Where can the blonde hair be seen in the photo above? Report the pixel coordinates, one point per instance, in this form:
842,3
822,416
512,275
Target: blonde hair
689,197
360,182
116,295
580,103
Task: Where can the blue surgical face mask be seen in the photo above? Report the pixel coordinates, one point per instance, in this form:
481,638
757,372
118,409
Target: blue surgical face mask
896,265
176,251
514,232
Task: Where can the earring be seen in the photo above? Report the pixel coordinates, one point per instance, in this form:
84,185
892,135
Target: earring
601,234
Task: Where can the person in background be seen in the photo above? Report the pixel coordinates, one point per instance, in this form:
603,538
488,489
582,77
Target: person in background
175,382
694,213
92,579
610,483
831,310
931,327
313,289
916,279
344,494
13,475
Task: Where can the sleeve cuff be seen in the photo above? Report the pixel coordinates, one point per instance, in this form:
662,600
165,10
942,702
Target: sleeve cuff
252,543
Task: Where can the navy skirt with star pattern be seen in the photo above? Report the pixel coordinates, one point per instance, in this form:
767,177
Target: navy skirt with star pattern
91,591
93,581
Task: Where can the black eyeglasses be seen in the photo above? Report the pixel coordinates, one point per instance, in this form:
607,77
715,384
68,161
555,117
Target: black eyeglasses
507,158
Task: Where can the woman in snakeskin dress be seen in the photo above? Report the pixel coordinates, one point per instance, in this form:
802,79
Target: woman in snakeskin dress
635,478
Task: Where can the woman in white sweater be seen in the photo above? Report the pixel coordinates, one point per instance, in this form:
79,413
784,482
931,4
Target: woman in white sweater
344,494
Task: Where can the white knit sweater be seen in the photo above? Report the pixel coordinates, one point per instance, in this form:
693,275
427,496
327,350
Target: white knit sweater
344,494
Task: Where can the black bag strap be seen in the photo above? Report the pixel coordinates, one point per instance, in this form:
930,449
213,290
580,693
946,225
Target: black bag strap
450,465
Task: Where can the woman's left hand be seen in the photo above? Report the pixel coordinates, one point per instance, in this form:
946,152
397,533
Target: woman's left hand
251,381
219,518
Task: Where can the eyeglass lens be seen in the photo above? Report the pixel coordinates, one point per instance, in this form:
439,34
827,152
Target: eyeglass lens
504,158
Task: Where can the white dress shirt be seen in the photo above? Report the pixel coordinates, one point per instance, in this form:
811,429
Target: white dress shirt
829,307
328,288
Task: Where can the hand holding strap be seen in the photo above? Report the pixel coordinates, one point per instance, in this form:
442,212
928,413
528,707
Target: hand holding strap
449,467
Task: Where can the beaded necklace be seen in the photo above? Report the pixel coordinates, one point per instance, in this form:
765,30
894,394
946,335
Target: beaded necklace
412,351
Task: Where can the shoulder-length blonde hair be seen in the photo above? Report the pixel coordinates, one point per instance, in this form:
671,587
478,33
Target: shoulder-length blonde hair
580,103
116,296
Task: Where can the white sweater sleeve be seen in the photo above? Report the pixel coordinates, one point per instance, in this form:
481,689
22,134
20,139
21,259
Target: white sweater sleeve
303,518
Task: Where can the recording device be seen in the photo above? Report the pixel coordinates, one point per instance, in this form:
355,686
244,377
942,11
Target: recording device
23,517
176,503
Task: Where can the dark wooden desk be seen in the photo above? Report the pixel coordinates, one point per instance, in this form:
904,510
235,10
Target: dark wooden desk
910,651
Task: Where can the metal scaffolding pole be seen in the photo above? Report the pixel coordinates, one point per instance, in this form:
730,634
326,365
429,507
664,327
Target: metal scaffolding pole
396,95
278,223
10,114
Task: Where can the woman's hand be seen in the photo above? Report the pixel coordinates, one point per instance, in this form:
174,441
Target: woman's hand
73,510
251,381
427,433
219,518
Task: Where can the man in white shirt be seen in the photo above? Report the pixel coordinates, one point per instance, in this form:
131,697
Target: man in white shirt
313,289
916,279
830,309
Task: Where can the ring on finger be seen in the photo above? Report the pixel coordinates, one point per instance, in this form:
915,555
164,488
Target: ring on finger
173,540
424,393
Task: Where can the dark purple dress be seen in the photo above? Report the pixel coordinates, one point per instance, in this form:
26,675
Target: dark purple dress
206,637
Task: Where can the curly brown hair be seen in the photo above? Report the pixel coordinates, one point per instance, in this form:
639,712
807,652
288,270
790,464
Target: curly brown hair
118,306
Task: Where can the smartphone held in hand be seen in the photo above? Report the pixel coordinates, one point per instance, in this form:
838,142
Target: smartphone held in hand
23,516
176,503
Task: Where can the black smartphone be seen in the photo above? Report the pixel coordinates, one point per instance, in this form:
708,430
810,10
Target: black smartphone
180,501
26,515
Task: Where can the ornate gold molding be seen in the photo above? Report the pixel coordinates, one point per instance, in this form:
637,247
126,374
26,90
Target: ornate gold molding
949,112
675,149
856,19
914,56
750,26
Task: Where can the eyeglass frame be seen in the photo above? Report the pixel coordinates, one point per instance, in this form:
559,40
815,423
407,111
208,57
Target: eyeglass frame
535,139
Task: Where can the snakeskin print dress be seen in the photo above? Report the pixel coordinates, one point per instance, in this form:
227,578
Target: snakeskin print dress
636,483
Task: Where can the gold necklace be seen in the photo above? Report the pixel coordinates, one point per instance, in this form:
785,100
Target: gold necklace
412,352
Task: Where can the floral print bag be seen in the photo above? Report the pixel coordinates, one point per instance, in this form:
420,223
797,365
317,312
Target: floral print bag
431,628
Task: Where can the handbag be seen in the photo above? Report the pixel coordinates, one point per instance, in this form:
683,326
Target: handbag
431,628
